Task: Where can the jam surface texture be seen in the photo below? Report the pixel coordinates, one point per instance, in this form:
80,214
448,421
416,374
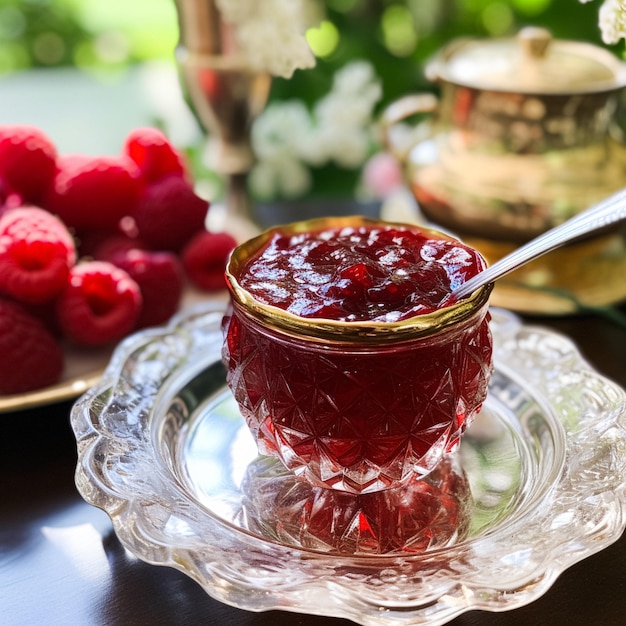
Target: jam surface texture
355,274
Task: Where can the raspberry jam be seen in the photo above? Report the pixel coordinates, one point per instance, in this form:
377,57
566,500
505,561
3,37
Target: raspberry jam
358,273
341,361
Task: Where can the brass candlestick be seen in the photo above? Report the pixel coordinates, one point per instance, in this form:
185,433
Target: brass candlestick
225,94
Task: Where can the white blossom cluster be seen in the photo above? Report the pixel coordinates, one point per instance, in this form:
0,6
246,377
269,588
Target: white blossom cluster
271,33
612,20
288,139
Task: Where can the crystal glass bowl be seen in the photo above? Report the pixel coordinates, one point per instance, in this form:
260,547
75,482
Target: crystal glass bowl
355,406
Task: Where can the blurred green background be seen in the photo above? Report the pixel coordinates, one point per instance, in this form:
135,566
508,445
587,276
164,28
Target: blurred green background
108,38
396,35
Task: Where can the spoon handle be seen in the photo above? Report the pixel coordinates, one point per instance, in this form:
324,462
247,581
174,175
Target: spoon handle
607,212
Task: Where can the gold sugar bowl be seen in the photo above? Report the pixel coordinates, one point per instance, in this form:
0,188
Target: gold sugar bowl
523,136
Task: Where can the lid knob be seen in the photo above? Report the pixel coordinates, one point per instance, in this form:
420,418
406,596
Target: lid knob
534,41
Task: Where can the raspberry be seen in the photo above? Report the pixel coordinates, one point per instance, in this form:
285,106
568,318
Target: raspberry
46,313
93,192
30,357
27,161
100,304
205,257
8,199
102,245
160,279
36,255
154,155
169,213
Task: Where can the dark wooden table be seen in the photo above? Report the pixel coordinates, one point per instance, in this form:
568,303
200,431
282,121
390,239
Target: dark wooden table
61,563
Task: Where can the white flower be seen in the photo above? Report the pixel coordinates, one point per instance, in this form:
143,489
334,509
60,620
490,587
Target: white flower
344,116
283,177
275,133
351,149
310,145
286,138
357,77
612,20
271,33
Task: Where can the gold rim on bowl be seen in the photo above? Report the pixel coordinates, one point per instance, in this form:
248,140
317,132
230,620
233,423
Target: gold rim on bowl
330,330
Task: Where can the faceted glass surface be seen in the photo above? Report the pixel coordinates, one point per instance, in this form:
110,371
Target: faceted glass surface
358,417
426,513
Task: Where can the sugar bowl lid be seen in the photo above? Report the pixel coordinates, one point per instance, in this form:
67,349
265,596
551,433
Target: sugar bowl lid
531,62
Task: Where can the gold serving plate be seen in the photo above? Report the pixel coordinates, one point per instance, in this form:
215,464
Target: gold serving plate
588,274
524,135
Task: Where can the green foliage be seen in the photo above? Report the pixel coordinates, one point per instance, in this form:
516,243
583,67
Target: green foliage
395,36
36,33
399,36
85,33
370,29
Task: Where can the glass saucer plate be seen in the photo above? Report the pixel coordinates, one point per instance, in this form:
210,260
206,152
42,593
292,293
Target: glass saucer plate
165,453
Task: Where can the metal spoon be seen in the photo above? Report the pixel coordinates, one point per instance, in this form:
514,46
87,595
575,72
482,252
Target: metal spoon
607,212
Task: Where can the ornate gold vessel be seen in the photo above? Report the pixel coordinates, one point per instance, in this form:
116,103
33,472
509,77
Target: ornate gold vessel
225,94
524,135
